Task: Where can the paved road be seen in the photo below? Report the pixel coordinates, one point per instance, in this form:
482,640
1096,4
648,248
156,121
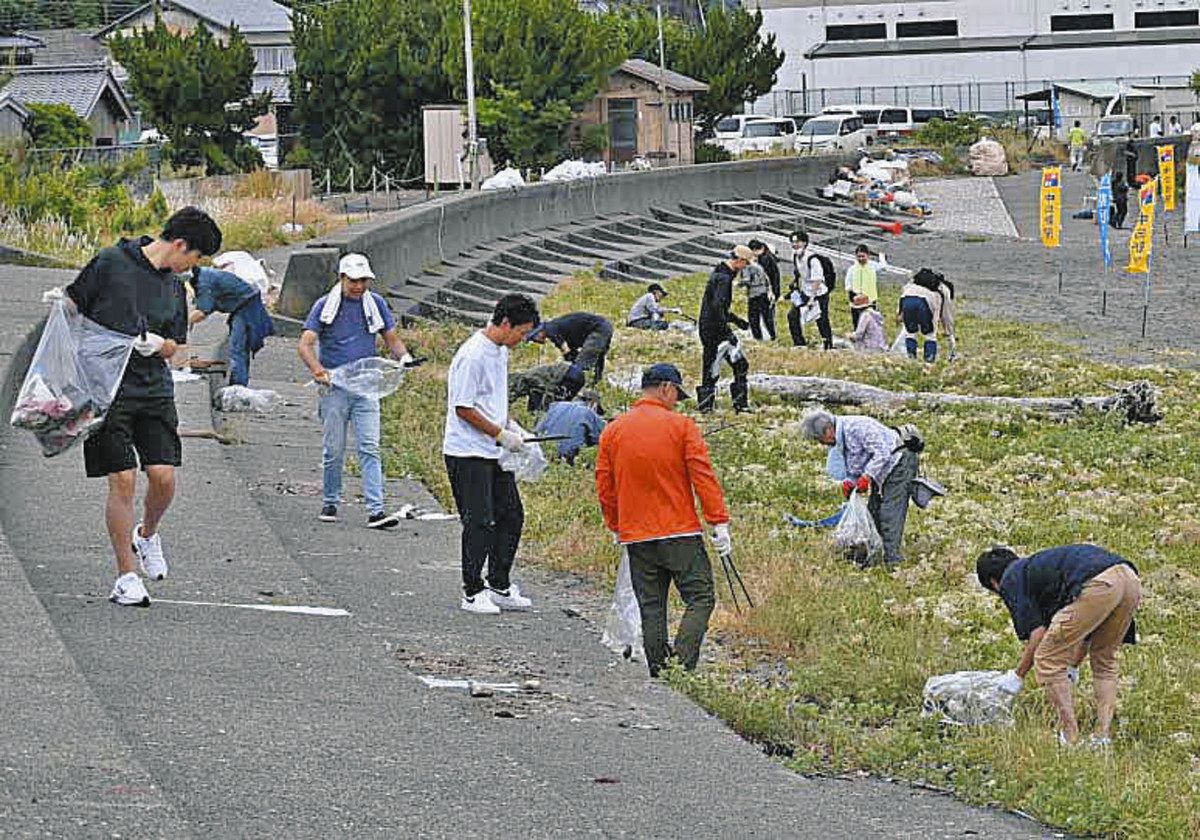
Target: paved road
204,720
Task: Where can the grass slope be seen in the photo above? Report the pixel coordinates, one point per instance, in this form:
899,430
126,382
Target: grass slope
828,671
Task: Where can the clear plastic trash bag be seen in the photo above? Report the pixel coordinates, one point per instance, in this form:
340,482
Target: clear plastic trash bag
623,627
856,535
900,345
72,380
369,377
529,463
241,398
968,698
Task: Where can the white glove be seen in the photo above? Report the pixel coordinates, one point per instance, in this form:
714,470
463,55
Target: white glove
675,310
1073,674
616,538
510,440
406,359
148,344
722,542
53,295
1010,683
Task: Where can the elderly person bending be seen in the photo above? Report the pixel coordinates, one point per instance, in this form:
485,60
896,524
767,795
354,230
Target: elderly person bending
1067,602
870,457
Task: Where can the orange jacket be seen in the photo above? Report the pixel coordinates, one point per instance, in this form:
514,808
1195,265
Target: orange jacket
650,461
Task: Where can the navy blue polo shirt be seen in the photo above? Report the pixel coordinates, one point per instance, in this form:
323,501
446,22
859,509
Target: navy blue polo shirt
1034,588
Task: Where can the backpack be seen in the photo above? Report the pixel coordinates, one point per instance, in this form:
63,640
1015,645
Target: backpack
910,438
929,279
826,266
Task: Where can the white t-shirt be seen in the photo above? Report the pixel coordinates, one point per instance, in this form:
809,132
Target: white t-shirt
478,379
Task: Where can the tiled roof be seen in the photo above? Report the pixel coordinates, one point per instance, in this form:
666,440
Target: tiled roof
20,41
68,46
249,15
650,72
79,86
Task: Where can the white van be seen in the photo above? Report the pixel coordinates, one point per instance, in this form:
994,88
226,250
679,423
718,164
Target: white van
730,128
761,135
869,113
898,121
832,134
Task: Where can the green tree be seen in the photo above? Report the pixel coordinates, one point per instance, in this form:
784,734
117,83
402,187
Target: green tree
196,91
56,127
364,69
730,55
536,63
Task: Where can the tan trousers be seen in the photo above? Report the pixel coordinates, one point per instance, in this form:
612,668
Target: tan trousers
1100,615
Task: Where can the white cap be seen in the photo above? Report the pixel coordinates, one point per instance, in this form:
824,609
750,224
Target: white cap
356,267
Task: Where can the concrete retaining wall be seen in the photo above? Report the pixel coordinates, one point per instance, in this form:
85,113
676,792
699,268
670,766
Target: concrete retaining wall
426,235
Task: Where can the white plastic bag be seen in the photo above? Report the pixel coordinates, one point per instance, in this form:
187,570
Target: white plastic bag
623,628
856,535
507,178
245,266
968,698
899,346
369,377
72,380
241,398
529,463
810,312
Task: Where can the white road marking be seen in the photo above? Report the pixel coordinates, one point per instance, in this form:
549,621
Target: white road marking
280,608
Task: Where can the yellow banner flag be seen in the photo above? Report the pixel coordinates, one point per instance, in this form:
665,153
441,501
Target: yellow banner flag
1051,205
1166,175
1141,243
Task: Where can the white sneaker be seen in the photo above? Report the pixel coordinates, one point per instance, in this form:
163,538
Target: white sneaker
480,603
129,591
150,554
509,599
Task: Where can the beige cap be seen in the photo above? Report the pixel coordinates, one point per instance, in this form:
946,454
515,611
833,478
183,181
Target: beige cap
743,252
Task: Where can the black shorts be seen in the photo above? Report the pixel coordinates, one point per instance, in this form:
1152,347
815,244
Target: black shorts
138,431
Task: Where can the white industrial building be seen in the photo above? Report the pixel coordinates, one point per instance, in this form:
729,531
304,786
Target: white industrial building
972,55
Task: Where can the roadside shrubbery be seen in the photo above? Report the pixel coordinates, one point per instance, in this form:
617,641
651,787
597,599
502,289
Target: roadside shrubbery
829,668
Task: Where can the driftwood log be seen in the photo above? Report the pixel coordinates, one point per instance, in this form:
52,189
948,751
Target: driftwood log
1136,402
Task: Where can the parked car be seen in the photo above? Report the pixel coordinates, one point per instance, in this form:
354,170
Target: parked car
900,121
761,135
833,133
730,128
869,113
1115,127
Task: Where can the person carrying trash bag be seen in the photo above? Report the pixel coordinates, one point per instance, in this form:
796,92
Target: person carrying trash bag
1066,603
717,339
652,464
249,322
811,286
133,288
344,326
869,457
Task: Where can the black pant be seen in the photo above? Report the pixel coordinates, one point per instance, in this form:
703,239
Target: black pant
1117,217
760,312
489,506
739,389
652,567
797,329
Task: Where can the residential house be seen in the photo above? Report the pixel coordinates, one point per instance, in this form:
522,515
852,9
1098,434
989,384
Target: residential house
639,123
17,48
90,90
266,25
12,119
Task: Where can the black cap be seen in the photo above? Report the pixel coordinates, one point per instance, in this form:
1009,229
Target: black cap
663,372
654,287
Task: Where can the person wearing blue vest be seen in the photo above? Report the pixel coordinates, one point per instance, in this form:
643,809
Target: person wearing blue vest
343,327
249,321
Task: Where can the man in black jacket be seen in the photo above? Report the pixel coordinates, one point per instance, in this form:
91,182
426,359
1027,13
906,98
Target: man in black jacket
717,338
582,337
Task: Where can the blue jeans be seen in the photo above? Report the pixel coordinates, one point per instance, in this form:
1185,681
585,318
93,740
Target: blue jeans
338,409
918,319
239,349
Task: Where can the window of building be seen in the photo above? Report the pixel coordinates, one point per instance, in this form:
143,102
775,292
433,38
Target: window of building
1152,20
275,59
1080,23
927,29
681,112
856,31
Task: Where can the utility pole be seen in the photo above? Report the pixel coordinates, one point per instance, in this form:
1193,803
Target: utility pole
472,125
662,78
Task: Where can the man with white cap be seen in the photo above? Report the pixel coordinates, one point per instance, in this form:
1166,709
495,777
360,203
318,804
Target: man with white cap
342,327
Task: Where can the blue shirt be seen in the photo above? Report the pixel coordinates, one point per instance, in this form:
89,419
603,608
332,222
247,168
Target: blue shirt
580,423
867,447
1034,588
221,291
346,339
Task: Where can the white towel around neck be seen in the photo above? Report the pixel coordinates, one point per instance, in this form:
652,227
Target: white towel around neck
333,302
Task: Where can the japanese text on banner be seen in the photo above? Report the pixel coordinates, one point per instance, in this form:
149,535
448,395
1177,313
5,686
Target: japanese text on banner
1166,175
1142,241
1103,211
1051,205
